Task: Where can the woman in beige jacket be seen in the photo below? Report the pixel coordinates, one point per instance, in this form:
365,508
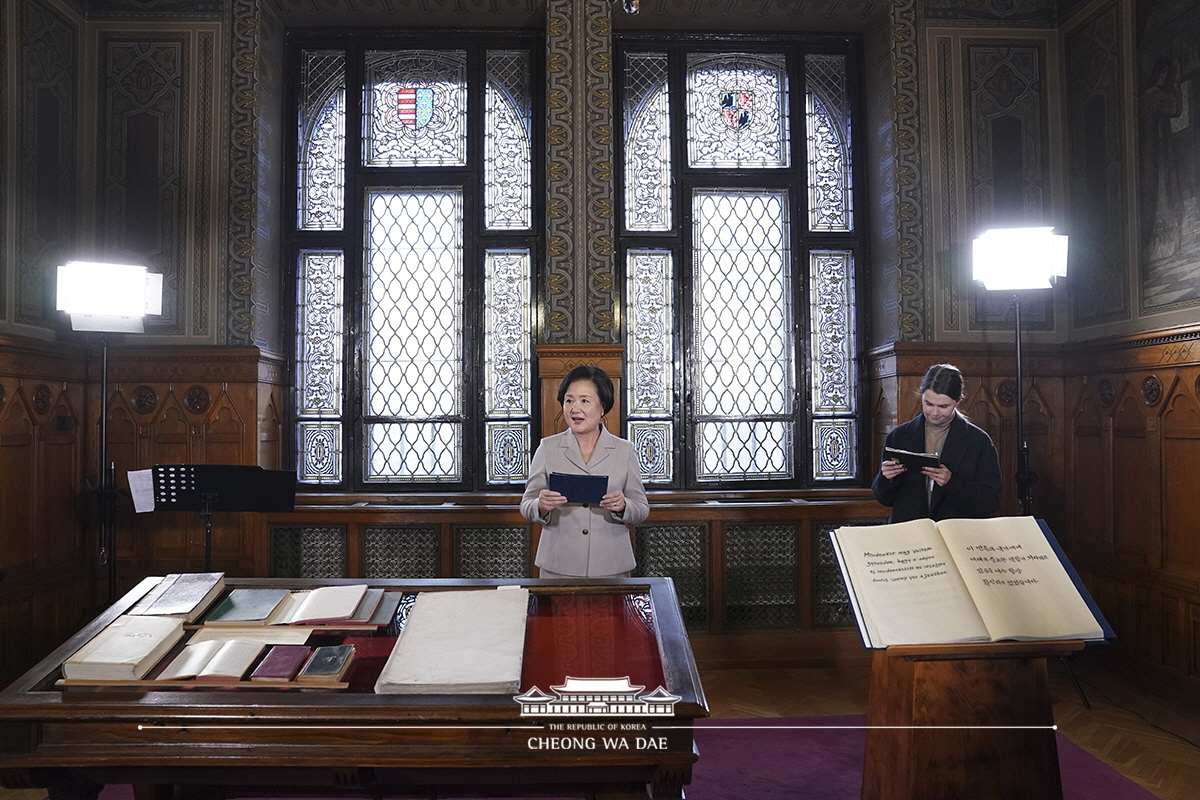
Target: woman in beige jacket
585,539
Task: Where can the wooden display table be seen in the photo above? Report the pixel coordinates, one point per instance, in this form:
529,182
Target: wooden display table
962,721
285,743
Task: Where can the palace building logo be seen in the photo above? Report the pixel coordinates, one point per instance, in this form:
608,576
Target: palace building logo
597,697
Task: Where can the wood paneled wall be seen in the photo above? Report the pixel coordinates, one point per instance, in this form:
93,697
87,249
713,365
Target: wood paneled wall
1113,426
1133,503
48,554
1114,432
193,405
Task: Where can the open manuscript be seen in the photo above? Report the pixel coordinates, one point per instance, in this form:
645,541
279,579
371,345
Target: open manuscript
963,580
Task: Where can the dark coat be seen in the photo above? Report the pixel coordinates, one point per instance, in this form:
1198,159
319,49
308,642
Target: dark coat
974,486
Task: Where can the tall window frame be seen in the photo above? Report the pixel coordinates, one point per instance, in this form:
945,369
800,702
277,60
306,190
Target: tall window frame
395,388
706,411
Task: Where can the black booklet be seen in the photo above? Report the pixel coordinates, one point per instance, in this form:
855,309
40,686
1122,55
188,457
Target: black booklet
910,459
579,488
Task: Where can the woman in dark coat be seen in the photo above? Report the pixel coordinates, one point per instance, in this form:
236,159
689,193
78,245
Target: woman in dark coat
966,482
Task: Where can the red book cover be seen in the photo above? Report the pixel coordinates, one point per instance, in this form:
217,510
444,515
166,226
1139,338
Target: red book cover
281,663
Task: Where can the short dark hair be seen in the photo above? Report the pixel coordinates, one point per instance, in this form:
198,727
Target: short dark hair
599,379
943,379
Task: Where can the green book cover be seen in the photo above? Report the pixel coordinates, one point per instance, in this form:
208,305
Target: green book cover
327,663
246,607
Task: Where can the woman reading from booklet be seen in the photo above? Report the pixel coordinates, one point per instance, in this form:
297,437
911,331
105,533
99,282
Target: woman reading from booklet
965,482
584,534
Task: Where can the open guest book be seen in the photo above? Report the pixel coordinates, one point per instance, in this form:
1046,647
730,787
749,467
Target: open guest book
963,580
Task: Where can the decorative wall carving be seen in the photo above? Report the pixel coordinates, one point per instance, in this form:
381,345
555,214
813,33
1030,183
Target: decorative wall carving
1151,390
1095,159
1007,159
910,201
44,202
581,289
196,399
144,105
245,27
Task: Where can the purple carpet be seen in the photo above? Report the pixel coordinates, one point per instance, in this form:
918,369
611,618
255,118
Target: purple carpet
825,763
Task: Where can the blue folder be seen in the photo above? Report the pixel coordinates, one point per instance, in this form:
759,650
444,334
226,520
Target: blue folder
579,488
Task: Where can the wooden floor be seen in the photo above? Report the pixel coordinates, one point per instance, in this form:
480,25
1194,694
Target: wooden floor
1150,740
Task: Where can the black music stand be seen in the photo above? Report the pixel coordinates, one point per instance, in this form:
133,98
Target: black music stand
221,487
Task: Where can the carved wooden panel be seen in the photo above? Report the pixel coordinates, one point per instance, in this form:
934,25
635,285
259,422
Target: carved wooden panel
188,406
555,361
48,551
1089,501
1180,491
1131,488
17,494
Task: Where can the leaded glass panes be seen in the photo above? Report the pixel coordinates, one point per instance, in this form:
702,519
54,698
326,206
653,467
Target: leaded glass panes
415,108
650,319
427,137
831,282
647,143
319,366
508,447
833,344
321,171
319,332
827,111
508,152
737,390
742,334
413,339
320,449
420,452
507,358
737,111
834,448
507,333
653,445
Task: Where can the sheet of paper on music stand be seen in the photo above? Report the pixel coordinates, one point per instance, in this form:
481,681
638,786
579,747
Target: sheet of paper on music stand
460,642
141,486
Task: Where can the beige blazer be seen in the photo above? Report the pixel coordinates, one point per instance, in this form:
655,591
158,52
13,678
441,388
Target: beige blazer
582,539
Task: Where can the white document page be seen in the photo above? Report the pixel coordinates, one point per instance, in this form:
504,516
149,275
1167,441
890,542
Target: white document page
907,586
468,642
141,486
1020,587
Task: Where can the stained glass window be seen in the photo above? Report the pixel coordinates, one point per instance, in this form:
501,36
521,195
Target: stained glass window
508,374
319,366
507,148
322,167
649,357
738,395
833,344
827,110
647,143
415,111
742,320
737,111
413,253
